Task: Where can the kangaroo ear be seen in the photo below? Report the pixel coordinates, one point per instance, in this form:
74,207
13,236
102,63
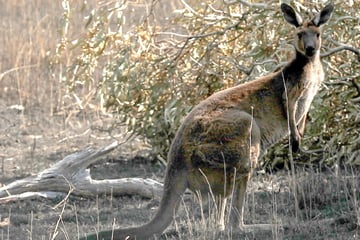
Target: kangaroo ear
323,16
290,15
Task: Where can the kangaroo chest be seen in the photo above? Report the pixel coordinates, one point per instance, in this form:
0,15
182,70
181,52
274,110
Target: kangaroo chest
308,87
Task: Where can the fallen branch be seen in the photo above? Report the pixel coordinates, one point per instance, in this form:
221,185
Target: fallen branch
32,195
72,173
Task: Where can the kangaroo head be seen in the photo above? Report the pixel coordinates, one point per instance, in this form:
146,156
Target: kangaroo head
307,34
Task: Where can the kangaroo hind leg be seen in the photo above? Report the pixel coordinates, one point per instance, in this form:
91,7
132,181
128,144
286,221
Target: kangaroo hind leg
241,178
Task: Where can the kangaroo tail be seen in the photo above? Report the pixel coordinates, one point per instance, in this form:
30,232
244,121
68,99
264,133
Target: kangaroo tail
175,185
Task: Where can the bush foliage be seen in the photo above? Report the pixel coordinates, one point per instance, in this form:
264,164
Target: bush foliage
152,73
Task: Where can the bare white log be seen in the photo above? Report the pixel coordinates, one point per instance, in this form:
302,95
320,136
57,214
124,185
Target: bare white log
32,195
72,174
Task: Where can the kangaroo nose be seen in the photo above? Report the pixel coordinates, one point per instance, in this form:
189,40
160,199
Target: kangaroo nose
310,51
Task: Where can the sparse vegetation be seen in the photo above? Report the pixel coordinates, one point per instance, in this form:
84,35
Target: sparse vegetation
65,65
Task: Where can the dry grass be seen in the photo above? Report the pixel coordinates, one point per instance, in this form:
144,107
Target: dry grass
327,209
28,32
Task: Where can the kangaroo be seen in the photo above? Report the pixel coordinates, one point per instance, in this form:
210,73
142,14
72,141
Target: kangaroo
221,140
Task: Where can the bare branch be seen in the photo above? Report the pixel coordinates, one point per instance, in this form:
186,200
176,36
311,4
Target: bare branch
349,81
356,85
249,70
222,32
355,100
340,48
248,4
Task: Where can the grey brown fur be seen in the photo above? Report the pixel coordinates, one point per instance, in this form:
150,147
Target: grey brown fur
222,138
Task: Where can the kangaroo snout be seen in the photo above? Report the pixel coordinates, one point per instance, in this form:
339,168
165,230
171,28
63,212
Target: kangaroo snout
310,51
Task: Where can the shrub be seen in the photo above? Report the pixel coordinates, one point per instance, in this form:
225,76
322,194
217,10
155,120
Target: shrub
151,77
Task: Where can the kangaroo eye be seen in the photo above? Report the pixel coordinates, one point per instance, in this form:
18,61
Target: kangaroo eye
299,35
318,35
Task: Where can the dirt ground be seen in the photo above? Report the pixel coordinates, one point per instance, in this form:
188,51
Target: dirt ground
31,142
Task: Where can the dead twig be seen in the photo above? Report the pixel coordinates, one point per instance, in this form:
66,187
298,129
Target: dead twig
356,99
341,48
248,4
3,74
356,85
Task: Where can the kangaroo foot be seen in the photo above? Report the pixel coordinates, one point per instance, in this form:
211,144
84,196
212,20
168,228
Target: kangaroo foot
258,227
